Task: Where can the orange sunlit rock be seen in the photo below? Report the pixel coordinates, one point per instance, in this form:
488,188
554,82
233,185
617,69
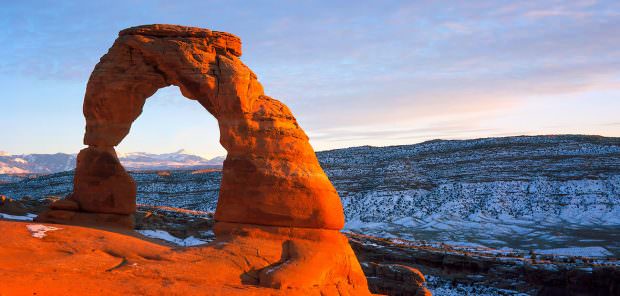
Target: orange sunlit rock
244,260
271,175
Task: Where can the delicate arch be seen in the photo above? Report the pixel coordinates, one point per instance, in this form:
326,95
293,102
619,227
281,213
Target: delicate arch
271,175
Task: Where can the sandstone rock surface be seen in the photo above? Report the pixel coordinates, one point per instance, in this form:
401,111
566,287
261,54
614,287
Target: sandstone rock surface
244,260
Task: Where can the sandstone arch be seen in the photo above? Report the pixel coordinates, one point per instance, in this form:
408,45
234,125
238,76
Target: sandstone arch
271,175
278,214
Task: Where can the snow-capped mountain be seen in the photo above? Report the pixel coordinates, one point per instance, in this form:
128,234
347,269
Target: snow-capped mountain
60,162
176,160
36,163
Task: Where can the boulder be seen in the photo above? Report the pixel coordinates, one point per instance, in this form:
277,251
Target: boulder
395,279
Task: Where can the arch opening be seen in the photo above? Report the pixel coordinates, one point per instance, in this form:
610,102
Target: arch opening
175,129
170,122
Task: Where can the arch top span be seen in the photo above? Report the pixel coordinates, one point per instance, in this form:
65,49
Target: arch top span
271,175
221,40
204,64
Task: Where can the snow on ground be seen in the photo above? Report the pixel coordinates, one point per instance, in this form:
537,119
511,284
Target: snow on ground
584,252
442,287
39,230
27,217
164,235
542,235
12,170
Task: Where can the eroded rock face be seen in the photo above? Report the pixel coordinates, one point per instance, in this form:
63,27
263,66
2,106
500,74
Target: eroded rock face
101,183
278,214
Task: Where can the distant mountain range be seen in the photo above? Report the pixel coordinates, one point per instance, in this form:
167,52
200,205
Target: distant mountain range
136,161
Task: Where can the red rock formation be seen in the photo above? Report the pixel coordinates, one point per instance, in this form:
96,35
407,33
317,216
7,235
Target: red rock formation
278,214
271,175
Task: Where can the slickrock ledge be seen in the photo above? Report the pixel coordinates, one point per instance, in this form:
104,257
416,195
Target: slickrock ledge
74,260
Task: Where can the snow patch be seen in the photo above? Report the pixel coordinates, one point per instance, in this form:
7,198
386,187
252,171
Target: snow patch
12,170
442,287
39,230
20,160
359,225
164,235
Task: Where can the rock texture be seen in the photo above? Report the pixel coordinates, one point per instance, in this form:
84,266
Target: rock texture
395,279
249,260
278,214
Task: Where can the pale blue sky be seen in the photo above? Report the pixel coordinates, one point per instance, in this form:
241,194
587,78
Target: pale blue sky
353,72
